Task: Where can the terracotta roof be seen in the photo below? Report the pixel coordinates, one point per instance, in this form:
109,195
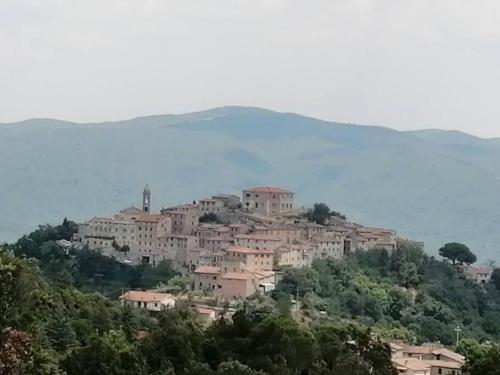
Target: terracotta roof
268,189
208,270
444,364
134,295
246,250
238,276
450,354
411,364
424,349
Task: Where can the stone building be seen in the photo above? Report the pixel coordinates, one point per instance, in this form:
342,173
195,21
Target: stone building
184,218
267,200
148,300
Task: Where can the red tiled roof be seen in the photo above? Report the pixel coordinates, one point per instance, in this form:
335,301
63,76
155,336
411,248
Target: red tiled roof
268,189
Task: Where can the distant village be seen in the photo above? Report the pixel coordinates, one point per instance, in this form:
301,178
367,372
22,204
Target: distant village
241,250
236,247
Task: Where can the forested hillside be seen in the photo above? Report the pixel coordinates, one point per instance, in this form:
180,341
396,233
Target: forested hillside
432,186
59,315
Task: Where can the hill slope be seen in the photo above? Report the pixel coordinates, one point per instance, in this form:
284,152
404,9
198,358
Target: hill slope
429,185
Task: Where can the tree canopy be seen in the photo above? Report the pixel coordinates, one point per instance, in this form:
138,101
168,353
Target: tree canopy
457,252
320,213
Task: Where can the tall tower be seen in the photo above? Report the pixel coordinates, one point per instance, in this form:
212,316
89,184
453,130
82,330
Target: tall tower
146,199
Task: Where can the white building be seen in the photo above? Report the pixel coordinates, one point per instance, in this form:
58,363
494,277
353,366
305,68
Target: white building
148,300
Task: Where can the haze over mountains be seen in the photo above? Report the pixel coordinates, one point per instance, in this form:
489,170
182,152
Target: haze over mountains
432,185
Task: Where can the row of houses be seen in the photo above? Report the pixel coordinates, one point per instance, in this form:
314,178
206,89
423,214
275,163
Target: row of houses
263,232
430,359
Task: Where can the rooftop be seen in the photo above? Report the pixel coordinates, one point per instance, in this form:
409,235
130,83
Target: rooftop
411,364
208,270
444,364
238,276
140,296
265,237
246,250
268,189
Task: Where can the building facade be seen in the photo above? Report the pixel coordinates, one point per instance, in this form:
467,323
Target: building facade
267,200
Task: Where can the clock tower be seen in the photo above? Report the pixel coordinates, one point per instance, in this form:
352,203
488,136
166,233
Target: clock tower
146,199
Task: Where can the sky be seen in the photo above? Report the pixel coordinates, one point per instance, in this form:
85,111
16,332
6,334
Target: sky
406,64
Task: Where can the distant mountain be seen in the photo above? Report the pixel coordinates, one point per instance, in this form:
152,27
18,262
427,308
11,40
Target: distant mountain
436,186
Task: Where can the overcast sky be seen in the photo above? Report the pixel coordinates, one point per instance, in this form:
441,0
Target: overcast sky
405,64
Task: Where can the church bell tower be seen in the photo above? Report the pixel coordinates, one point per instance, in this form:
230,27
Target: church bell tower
146,199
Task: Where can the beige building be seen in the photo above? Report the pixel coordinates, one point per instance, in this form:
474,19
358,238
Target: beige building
148,300
238,228
245,284
267,200
295,255
142,234
210,205
426,360
258,241
241,259
478,274
184,218
331,248
410,366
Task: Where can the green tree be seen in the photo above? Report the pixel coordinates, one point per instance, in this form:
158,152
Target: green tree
495,278
457,252
234,367
61,334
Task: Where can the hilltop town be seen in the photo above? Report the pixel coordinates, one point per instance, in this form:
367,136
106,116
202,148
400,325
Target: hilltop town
234,247
258,260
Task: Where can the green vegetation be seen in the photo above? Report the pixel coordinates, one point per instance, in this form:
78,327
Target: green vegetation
52,328
210,218
320,213
85,269
406,295
53,320
457,252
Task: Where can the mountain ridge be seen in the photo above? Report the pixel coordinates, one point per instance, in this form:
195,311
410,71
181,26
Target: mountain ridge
376,175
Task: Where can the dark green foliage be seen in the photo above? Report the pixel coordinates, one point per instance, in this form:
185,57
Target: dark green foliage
457,252
299,280
320,213
209,218
406,292
495,278
48,326
86,269
482,359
